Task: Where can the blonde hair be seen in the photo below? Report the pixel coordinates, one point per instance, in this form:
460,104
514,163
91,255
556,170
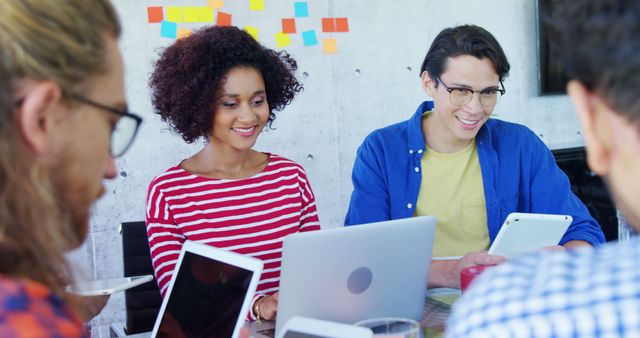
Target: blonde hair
62,41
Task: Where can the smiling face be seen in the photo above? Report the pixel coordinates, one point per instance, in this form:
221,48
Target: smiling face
241,110
451,127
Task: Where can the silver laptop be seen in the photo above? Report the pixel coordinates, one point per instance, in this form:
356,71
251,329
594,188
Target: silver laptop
358,272
209,294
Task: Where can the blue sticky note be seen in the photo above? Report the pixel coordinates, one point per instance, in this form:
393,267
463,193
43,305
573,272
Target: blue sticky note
169,29
309,38
302,9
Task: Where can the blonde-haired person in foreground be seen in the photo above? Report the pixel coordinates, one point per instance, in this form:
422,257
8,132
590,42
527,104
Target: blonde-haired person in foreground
63,118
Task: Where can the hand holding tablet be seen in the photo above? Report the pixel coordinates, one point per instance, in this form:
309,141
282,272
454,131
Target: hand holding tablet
521,233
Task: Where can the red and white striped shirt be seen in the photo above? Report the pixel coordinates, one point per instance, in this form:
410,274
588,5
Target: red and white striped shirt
250,216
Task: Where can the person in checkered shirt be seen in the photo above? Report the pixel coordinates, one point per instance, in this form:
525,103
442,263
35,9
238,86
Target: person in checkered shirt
590,292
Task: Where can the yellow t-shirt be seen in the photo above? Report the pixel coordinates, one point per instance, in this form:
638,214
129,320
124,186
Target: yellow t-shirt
452,190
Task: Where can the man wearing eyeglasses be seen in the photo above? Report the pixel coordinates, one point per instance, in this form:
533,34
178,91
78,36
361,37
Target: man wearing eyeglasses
452,161
584,293
63,119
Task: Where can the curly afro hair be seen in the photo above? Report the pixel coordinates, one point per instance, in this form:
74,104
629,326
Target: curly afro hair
189,75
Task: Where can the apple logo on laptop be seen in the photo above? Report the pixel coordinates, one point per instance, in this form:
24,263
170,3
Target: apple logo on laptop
359,280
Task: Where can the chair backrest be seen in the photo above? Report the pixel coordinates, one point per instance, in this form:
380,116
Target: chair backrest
143,302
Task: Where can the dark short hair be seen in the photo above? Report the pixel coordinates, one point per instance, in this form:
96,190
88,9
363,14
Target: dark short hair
188,77
464,40
599,45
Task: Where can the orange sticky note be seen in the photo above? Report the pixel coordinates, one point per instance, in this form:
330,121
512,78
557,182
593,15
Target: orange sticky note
174,14
256,5
191,14
154,14
289,26
224,19
329,46
282,40
342,25
253,31
215,4
205,14
328,25
183,33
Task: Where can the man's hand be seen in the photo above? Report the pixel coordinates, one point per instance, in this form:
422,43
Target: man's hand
446,273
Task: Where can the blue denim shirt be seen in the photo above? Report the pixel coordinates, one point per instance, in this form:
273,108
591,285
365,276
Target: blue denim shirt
519,174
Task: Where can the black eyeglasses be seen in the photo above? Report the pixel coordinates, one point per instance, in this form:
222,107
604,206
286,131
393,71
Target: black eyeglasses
125,129
459,96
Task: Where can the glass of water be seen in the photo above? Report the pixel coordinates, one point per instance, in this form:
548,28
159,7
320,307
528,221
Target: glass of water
392,327
624,231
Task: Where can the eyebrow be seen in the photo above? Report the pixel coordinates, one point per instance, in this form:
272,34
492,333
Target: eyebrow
258,92
462,85
122,106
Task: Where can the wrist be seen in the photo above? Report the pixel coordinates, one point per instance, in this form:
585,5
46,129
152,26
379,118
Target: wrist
444,273
256,309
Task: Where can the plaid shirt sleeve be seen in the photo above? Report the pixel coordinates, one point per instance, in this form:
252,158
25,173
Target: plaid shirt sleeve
29,309
585,293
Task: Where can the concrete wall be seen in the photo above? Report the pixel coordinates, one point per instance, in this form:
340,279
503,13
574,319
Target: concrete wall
372,81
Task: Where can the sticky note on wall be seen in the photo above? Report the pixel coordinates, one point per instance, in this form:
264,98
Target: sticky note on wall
330,46
174,14
169,29
342,25
215,4
309,38
301,9
282,40
253,31
256,5
328,25
183,33
191,14
223,19
289,26
154,14
205,14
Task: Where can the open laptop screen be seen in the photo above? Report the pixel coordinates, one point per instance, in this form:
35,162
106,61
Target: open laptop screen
206,298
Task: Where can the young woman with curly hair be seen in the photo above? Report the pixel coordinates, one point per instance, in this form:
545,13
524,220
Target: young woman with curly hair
220,84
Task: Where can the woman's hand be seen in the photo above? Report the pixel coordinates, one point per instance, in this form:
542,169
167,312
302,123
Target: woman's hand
268,306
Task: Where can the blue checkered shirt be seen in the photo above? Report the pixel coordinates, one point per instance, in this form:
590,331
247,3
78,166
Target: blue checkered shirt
584,293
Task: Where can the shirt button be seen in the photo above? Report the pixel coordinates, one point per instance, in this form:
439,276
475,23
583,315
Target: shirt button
409,205
419,151
417,169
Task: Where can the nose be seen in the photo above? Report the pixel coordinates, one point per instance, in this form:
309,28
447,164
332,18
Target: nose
111,170
247,113
474,106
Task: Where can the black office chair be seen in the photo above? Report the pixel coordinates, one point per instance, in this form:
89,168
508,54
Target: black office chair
143,302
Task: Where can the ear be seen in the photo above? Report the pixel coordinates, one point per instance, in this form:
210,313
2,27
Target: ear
596,128
428,84
35,115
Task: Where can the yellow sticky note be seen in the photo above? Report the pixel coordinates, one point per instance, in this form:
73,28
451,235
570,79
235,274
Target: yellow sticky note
283,40
329,46
256,5
253,31
205,14
174,13
191,14
215,4
183,33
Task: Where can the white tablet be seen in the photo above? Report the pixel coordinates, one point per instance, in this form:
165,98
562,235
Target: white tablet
107,286
209,294
303,327
521,233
